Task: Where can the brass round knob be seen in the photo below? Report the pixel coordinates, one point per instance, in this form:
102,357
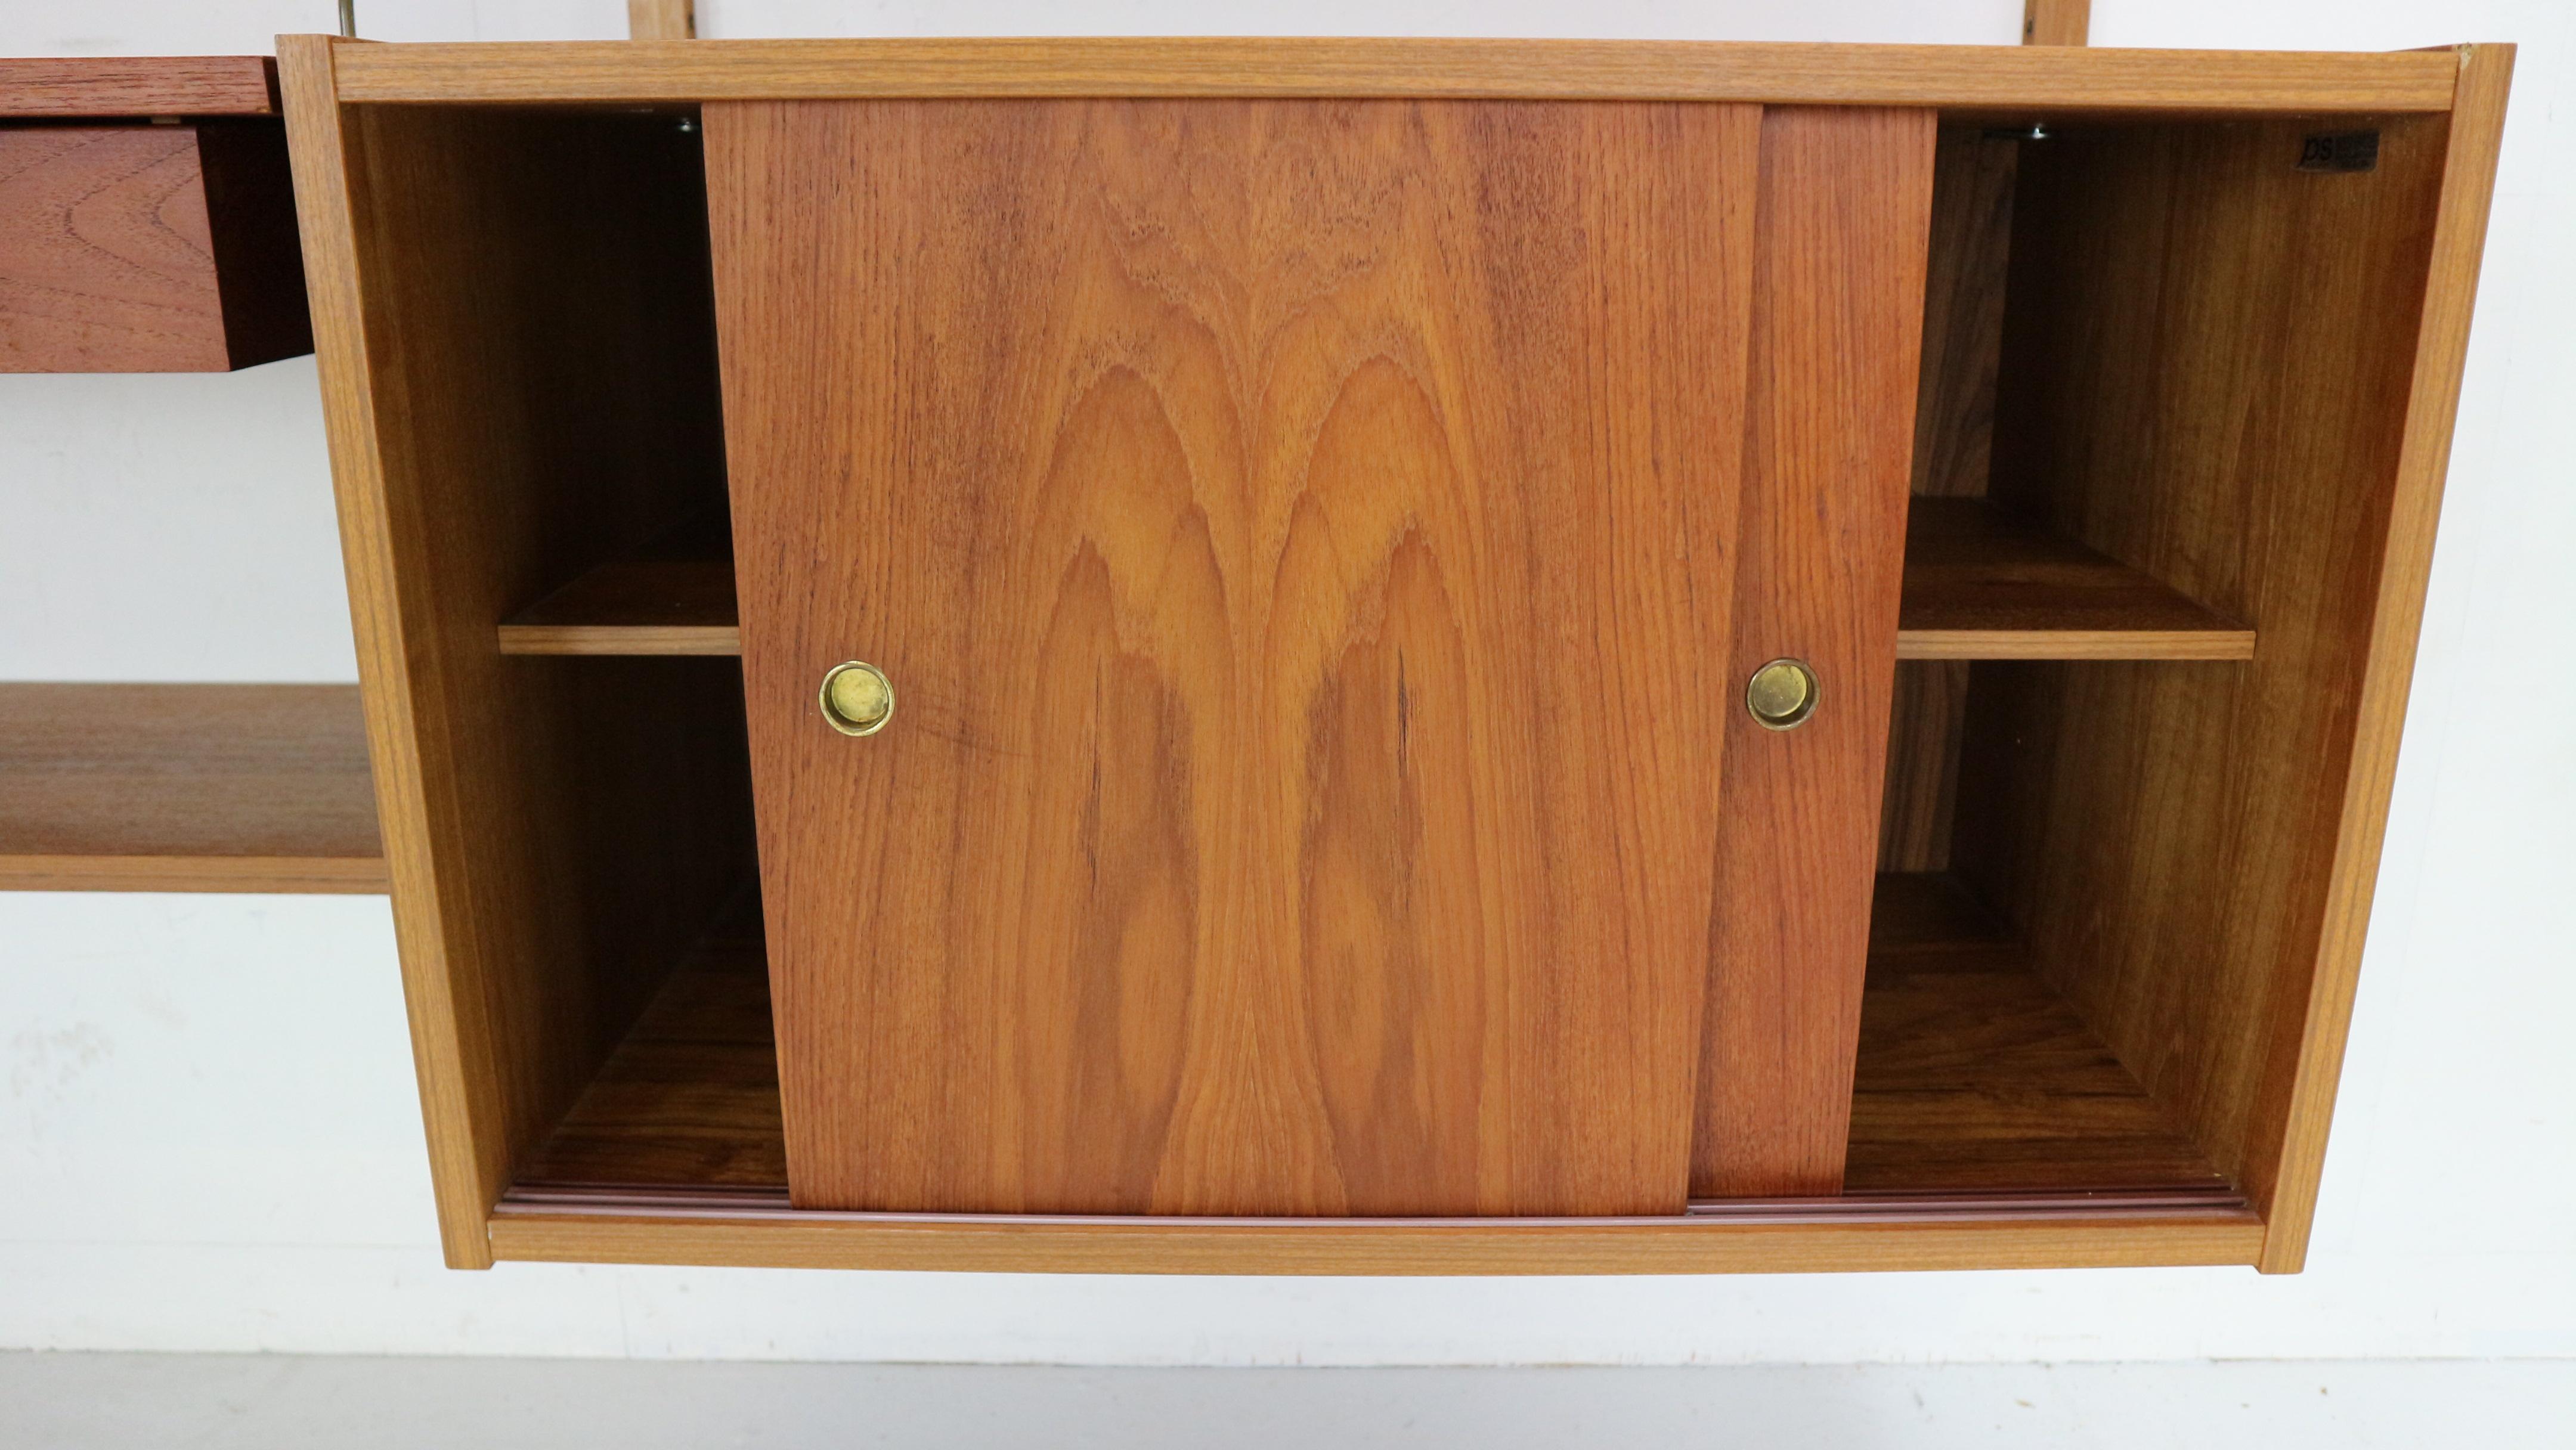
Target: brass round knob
1781,695
857,698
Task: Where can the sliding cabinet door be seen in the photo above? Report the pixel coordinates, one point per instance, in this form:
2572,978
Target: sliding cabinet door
1299,541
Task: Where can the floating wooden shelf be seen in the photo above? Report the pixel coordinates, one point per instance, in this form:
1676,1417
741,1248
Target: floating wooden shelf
186,788
1980,584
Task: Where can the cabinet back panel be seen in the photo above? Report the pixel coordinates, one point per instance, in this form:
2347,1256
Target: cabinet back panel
1299,535
2207,359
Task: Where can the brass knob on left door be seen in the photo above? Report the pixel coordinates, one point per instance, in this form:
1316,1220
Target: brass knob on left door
857,698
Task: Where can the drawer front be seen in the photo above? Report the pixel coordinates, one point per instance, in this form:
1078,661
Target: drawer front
139,248
1299,538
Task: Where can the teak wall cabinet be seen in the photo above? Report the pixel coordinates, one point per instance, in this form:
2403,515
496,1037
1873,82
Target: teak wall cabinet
1409,657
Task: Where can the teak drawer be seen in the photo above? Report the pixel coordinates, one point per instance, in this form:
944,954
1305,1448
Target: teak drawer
1319,507
147,222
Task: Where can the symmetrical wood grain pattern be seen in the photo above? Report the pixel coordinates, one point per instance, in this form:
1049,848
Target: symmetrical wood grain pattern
2059,82
185,788
2212,364
66,88
1838,285
142,248
1300,603
1983,583
516,387
2440,349
2055,22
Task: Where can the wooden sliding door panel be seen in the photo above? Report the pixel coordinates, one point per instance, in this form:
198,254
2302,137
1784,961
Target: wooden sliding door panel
1299,536
1845,211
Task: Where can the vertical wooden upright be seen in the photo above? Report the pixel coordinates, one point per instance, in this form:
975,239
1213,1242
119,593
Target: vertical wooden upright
2056,22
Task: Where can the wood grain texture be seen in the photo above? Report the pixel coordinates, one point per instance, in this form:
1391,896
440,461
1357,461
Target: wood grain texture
1978,583
2210,363
689,1100
661,20
1845,198
2108,1237
1982,582
516,388
1917,809
1303,789
633,607
185,788
66,88
1974,1074
148,248
2060,82
2432,403
2055,22
1969,257
673,596
1973,1077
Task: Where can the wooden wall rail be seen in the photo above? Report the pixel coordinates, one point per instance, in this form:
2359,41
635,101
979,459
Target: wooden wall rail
2062,81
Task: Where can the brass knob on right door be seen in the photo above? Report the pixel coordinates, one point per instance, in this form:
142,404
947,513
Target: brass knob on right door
857,698
1781,695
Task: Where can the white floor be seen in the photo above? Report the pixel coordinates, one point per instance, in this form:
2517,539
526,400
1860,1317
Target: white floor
284,1402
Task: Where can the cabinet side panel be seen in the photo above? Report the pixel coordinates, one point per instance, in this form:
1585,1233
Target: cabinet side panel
2441,350
519,372
1298,534
2208,354
1837,322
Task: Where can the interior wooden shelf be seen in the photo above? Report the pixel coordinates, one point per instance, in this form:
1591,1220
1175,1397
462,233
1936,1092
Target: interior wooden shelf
1980,584
1975,1078
186,788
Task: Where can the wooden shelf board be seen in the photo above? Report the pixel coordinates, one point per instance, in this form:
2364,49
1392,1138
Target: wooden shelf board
634,607
1981,1098
186,788
56,88
1981,584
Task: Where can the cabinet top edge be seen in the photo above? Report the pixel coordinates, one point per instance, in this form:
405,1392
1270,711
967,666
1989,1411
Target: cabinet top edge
2061,80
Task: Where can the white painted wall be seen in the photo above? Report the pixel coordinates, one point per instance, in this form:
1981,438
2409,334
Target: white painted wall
208,1138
